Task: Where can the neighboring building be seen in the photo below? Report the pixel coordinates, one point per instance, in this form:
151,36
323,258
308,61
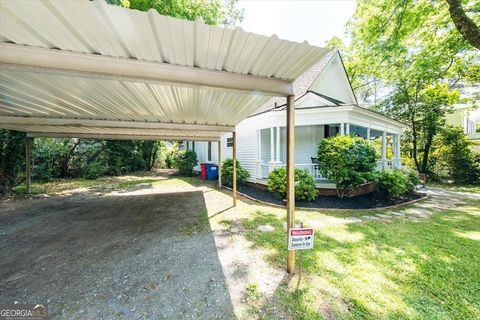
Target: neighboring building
469,120
325,106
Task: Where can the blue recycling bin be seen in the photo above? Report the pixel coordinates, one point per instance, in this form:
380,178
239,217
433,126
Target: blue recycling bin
212,171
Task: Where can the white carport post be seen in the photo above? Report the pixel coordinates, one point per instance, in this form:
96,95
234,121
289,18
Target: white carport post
234,178
219,147
290,177
28,163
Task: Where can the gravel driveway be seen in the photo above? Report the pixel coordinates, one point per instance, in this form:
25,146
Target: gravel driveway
134,257
149,252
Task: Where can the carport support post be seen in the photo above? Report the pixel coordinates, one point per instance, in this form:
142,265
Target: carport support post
234,178
290,177
219,164
28,163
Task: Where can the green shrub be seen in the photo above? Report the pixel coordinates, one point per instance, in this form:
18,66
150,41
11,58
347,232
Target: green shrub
227,172
169,160
346,161
304,184
453,158
412,180
395,182
95,170
185,161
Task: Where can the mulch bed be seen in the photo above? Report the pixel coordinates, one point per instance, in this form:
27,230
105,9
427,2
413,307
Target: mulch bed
367,201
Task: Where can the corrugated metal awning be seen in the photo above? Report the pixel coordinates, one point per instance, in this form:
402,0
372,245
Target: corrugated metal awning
87,68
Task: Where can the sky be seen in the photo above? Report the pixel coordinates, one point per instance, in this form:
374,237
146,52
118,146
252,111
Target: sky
315,21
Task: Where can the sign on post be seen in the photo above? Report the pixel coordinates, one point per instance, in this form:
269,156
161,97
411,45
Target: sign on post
300,239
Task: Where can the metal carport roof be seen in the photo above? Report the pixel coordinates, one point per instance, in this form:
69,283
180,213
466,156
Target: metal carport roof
88,69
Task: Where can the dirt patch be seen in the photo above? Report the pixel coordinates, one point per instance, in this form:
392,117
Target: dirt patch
367,201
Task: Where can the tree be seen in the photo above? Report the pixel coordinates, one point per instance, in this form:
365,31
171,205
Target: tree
465,25
453,155
424,110
213,12
12,159
406,59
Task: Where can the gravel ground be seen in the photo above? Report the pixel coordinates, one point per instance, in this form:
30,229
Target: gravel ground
150,253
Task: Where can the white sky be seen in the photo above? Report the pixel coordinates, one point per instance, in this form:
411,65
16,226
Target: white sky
315,21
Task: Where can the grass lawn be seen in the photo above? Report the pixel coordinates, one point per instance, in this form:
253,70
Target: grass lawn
379,270
457,187
105,184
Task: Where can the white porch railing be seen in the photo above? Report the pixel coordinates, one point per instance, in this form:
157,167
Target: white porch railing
312,169
388,164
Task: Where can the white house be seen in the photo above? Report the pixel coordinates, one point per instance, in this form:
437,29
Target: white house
325,106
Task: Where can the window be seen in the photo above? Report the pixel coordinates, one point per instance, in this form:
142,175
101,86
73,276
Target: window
193,146
209,153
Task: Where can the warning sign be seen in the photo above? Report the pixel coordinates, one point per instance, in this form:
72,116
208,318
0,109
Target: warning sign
300,239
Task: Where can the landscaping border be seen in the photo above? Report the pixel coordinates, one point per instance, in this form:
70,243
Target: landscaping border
331,209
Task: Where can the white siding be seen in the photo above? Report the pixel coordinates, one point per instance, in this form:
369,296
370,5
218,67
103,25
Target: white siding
266,144
306,142
247,151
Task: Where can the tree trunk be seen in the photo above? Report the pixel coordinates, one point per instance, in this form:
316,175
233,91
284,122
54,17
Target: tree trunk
414,144
426,153
466,26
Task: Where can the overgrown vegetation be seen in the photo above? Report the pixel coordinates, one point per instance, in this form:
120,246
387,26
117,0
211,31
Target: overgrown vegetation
454,159
395,182
304,184
347,161
184,161
12,159
227,172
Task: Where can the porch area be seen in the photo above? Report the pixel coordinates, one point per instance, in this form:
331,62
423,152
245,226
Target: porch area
271,148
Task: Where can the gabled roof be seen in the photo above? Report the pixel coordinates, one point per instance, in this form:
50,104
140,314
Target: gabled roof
327,79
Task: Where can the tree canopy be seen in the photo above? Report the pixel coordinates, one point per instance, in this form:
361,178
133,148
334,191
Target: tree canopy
212,12
407,59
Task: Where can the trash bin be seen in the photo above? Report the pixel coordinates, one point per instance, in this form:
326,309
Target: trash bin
212,171
203,171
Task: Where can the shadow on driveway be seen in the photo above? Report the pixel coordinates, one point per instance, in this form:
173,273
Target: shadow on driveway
133,256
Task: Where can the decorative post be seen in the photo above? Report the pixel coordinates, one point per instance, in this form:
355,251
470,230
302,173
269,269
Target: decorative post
342,130
278,145
234,181
396,162
347,128
28,163
368,134
290,177
272,144
219,147
384,149
271,163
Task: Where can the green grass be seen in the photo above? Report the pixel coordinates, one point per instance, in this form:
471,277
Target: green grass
472,188
107,184
380,270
